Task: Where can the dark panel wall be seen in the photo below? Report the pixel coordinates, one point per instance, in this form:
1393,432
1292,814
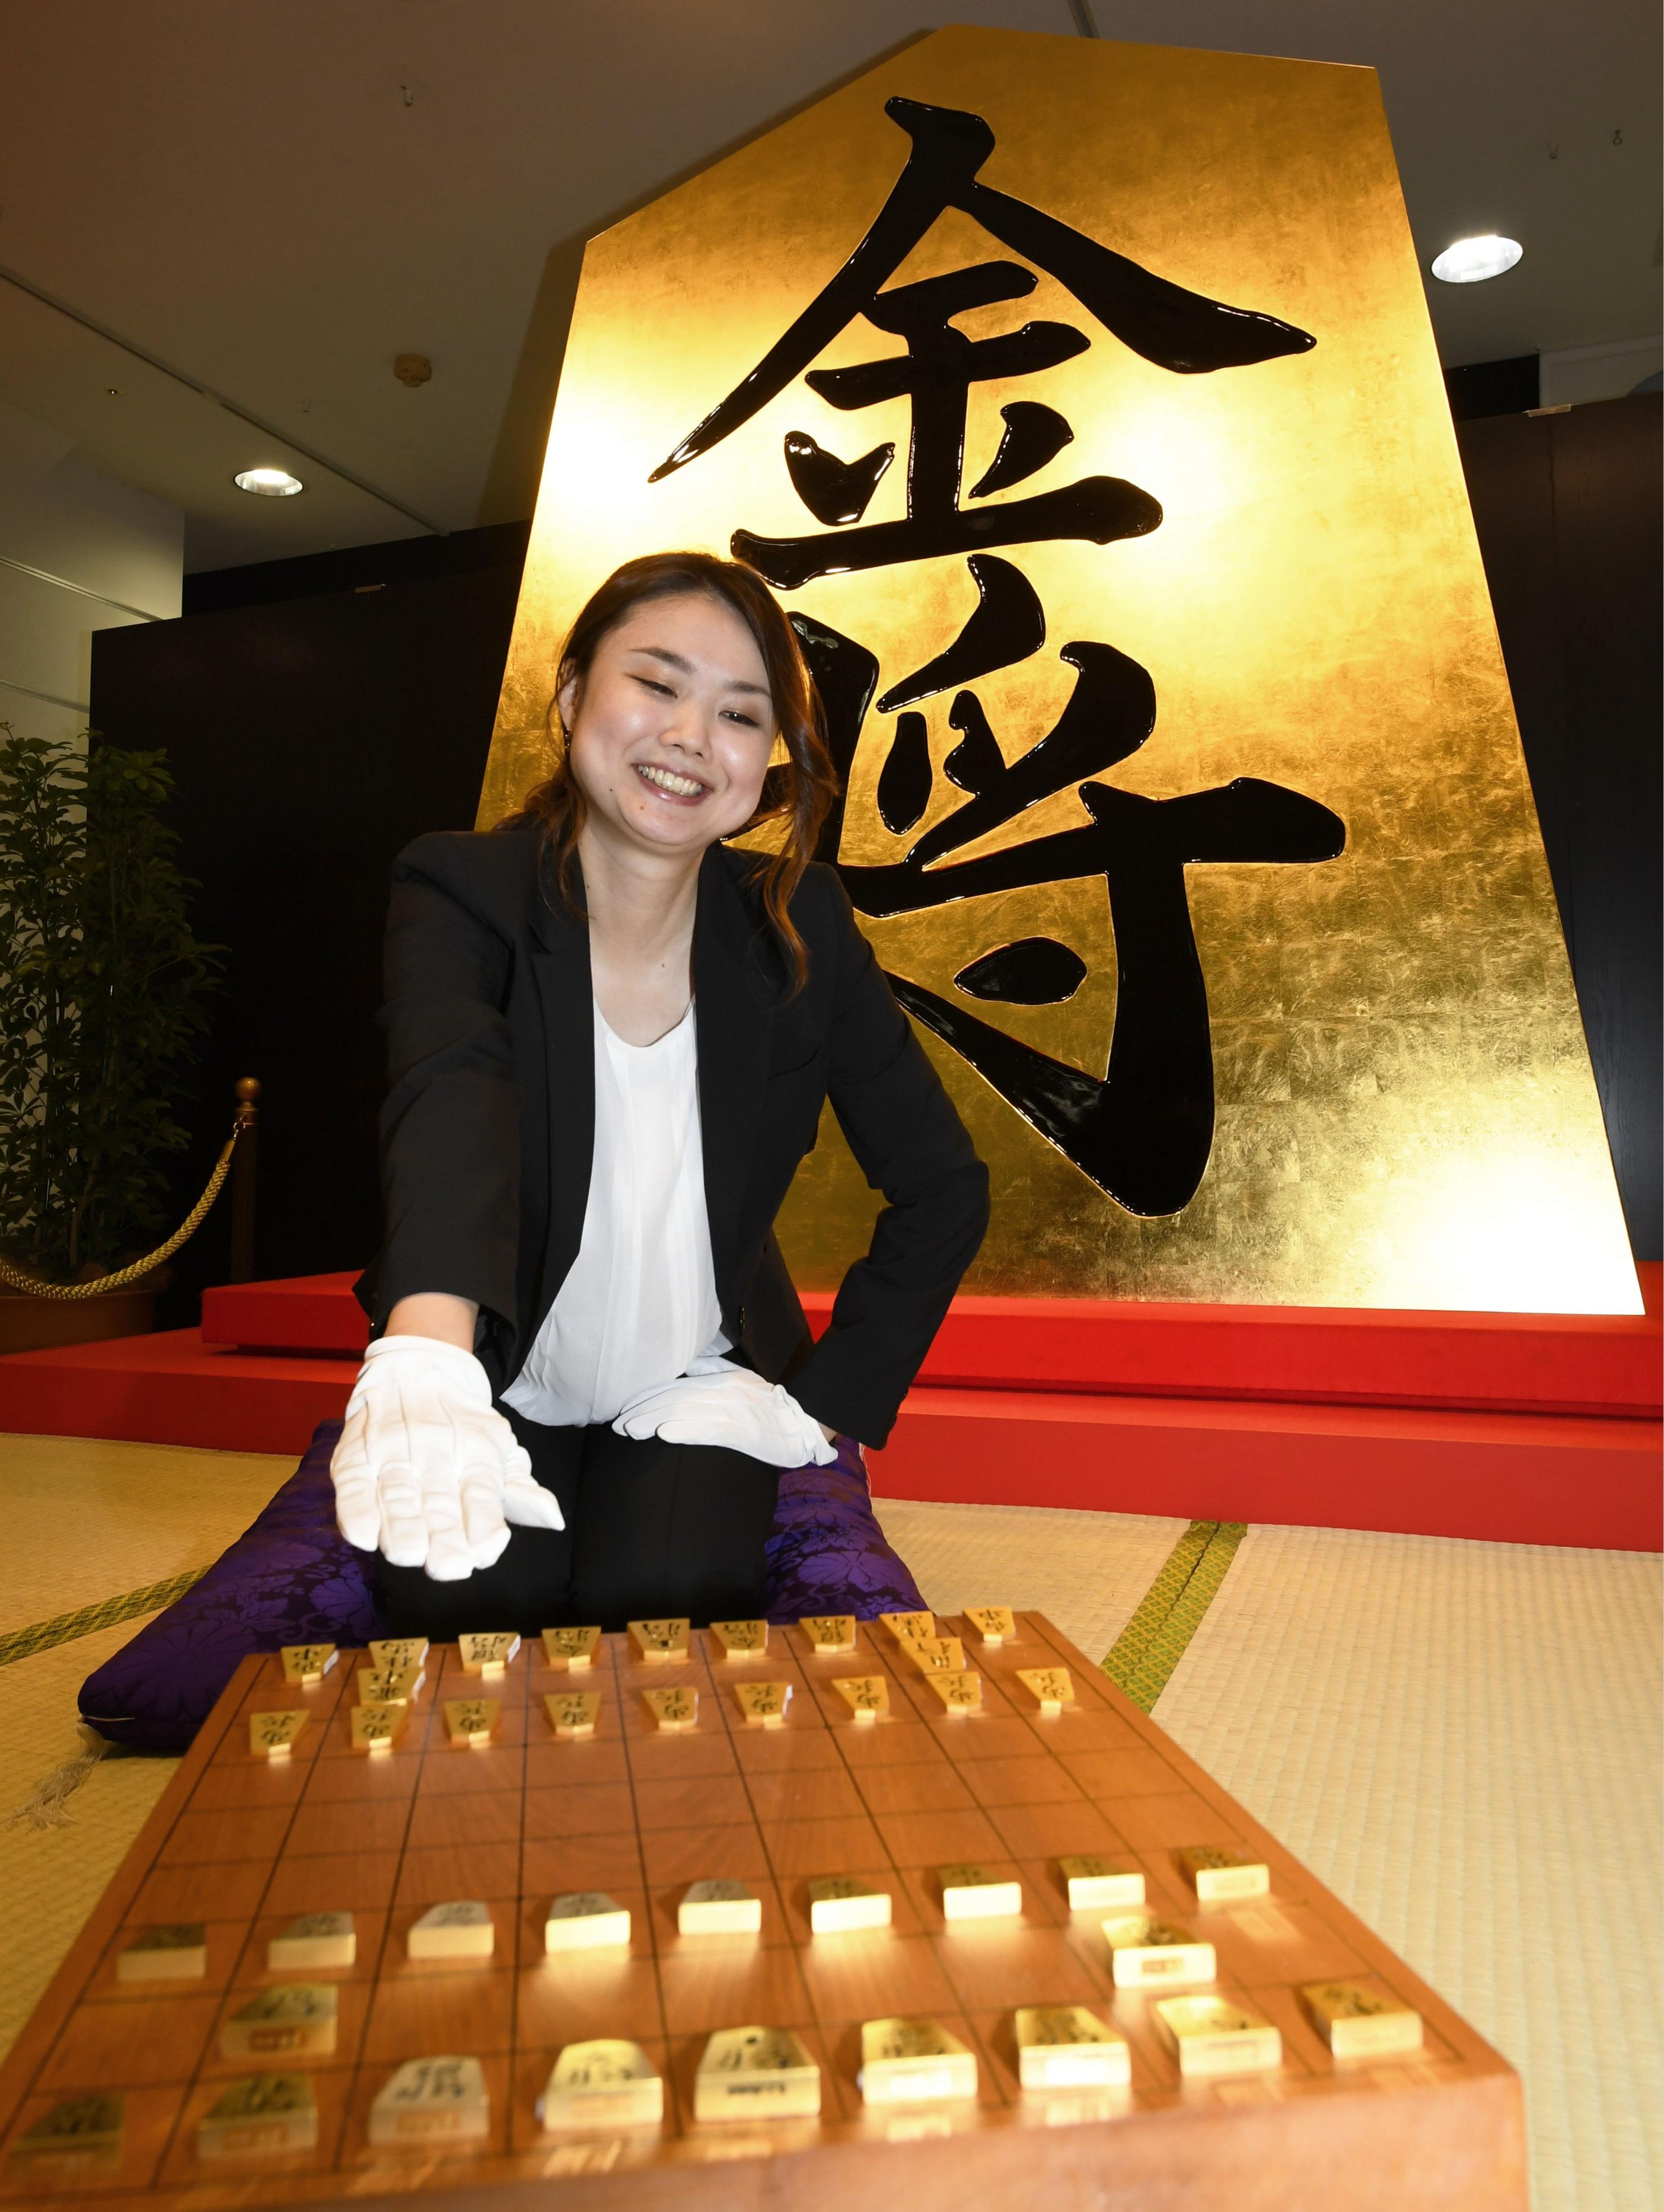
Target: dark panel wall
1567,513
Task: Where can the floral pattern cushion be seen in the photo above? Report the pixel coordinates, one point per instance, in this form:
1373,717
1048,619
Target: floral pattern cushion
292,1579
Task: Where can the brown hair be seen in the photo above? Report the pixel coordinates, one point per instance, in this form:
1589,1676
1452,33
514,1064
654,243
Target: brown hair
800,789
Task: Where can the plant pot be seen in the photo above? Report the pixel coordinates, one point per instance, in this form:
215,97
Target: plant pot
29,1323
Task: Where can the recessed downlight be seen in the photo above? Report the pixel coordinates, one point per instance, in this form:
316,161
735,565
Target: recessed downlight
1474,260
268,484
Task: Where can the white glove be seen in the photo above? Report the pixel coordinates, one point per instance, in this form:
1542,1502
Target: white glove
425,1471
716,1404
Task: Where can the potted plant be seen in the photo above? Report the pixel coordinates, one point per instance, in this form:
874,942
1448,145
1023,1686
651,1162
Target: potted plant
102,990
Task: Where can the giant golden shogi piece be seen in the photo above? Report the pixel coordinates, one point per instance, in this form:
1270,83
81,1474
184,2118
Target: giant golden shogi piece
1080,403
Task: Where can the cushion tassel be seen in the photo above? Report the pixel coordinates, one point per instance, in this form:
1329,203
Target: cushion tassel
45,1806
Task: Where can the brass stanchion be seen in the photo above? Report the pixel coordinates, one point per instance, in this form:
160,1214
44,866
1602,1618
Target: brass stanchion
242,1181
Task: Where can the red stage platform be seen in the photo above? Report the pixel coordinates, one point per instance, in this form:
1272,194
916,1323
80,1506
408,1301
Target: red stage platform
1518,1428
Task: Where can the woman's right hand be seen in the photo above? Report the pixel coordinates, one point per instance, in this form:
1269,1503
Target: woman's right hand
427,1471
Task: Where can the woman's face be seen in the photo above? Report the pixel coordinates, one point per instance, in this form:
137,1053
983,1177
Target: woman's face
671,727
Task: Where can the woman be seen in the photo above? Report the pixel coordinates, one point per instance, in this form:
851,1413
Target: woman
610,1038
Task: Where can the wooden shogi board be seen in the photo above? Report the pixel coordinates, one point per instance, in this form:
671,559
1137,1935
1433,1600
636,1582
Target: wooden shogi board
246,1844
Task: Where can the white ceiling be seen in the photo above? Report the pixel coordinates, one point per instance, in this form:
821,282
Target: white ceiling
273,197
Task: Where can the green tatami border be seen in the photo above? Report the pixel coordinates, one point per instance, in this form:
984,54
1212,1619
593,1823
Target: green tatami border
1143,1655
64,1628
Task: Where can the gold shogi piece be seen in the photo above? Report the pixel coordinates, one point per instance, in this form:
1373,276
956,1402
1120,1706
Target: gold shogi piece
78,2135
315,1940
960,1693
574,1649
660,1643
1358,2022
177,1952
307,1664
905,1627
674,1710
604,2083
936,1655
1066,2047
994,1623
488,1655
1095,1882
740,1639
295,2016
1049,1686
1147,1953
913,2062
756,2073
586,1920
719,1908
400,1653
462,1927
262,2116
389,1686
867,1696
432,2099
472,1720
376,1728
763,1703
572,1712
1221,1877
1215,2035
832,1634
971,1892
274,1735
840,1902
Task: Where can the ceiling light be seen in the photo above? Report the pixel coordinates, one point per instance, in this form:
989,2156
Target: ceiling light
1471,260
269,484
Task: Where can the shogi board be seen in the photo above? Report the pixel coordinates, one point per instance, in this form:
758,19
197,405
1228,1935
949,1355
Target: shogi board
245,1845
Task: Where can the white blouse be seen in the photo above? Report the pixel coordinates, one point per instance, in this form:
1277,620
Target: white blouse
640,1300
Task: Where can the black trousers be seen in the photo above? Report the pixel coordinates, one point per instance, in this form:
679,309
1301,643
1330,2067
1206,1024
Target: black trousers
653,1529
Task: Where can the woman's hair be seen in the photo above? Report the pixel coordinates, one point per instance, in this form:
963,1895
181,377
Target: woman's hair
799,789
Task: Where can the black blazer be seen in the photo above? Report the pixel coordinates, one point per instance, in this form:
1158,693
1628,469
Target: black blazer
488,1131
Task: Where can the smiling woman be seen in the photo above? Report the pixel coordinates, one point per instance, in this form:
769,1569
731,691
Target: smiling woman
610,1036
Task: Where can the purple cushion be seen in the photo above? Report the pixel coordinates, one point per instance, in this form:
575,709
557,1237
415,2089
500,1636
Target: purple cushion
292,1579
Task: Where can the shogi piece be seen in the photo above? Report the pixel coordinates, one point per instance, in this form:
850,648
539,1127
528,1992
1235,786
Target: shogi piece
461,1928
763,1703
971,1892
573,1649
756,2073
601,2084
960,1693
315,1940
1094,1881
260,2117
740,1639
1049,1686
572,1712
487,1655
662,1643
1357,2021
174,1953
840,1902
674,1710
376,1728
293,2018
472,1720
867,1696
307,1664
992,1624
78,2136
719,1908
1215,2035
905,1626
936,1655
914,2062
586,1920
400,1653
832,1634
389,1686
1066,2047
431,2100
1146,1953
274,1735
1221,1877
